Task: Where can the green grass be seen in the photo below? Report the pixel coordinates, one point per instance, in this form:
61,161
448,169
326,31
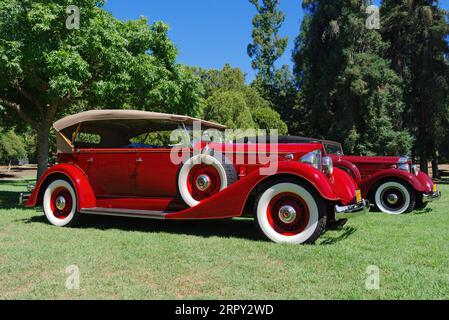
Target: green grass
144,259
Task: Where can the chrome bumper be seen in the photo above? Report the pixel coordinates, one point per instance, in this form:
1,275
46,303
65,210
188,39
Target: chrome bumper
362,207
23,198
431,196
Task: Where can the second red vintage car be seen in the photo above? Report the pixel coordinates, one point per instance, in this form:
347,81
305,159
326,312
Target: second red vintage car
393,184
122,163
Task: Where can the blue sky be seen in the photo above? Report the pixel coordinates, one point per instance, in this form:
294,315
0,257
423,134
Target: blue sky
210,33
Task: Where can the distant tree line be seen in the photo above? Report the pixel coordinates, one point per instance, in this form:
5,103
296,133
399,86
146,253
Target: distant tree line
377,91
383,92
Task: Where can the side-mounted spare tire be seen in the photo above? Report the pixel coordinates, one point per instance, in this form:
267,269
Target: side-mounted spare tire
204,175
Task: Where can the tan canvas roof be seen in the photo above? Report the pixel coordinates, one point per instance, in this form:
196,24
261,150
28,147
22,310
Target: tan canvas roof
98,115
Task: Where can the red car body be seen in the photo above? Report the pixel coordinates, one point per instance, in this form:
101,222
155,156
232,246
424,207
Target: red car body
116,179
372,172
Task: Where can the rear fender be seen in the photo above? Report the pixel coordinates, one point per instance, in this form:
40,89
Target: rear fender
85,195
391,174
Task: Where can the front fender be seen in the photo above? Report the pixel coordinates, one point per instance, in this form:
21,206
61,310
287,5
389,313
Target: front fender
85,195
368,183
343,186
348,166
426,182
231,201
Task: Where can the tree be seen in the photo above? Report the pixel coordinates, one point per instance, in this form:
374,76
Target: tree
267,45
12,146
230,109
275,85
48,69
241,106
417,31
351,93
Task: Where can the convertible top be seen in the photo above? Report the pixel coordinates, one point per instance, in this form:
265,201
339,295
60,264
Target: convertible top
98,115
116,127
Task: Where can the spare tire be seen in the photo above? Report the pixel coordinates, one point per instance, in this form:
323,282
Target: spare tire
204,175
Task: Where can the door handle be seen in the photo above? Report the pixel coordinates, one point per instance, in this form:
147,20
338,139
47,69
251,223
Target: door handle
139,160
90,160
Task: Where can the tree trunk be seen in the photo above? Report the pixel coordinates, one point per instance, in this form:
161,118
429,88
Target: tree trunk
42,149
424,165
435,170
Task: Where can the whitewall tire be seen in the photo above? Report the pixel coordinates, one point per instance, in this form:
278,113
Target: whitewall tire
59,203
287,212
202,176
394,197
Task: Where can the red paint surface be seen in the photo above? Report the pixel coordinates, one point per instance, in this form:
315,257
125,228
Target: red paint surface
146,179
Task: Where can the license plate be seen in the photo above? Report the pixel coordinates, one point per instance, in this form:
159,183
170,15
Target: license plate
435,188
358,195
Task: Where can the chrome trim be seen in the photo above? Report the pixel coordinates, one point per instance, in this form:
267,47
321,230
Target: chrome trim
431,197
362,207
203,182
403,164
392,199
415,169
23,198
60,203
328,165
160,215
287,214
404,160
313,158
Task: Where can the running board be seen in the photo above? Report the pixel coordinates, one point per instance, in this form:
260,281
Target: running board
126,213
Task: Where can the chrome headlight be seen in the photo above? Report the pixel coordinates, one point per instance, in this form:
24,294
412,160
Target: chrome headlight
403,164
313,158
415,169
328,165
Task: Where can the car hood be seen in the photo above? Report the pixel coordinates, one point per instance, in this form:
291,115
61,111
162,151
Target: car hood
368,159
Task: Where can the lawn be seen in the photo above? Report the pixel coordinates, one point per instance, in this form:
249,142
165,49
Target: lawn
143,259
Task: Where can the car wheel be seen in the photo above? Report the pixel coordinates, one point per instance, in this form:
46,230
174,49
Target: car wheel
394,197
59,204
204,175
288,212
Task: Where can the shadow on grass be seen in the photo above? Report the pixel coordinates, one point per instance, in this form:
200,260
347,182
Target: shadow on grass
229,228
422,211
343,234
10,199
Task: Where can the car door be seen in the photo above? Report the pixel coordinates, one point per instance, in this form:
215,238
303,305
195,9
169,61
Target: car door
154,174
107,171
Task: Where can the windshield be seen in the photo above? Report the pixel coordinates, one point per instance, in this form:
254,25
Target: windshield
333,148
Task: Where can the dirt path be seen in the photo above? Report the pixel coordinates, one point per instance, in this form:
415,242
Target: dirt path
18,172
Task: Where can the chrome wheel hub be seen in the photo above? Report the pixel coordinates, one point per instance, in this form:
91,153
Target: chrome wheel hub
60,203
203,182
287,214
392,198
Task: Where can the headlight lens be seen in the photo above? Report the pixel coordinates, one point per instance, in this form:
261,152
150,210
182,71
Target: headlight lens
415,169
328,165
313,158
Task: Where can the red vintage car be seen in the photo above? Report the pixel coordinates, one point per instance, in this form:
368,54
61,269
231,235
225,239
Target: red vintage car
124,163
393,184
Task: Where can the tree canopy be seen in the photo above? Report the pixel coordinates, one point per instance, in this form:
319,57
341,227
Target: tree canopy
352,94
47,69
